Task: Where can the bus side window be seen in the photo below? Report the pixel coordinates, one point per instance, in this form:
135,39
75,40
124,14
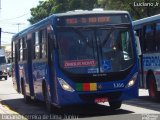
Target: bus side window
158,36
150,38
40,44
137,43
33,45
37,45
13,51
24,44
21,50
140,35
144,39
18,50
44,43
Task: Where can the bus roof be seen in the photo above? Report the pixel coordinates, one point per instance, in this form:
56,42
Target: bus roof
86,12
147,20
69,13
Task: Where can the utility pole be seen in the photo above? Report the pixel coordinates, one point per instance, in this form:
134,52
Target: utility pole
18,24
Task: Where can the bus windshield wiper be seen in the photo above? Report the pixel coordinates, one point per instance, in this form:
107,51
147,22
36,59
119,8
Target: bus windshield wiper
107,37
77,31
81,36
112,28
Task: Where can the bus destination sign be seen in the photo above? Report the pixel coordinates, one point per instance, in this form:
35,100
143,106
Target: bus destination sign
87,20
92,20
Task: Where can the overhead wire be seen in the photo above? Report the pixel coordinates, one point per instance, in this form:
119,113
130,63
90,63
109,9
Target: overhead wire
14,17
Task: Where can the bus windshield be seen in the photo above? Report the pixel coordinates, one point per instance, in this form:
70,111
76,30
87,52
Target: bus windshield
95,50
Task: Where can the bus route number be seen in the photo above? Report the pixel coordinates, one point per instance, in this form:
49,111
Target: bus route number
118,85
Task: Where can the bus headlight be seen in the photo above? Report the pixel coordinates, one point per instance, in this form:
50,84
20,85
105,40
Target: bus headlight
65,85
132,80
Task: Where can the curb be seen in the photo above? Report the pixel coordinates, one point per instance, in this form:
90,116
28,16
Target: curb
4,109
7,114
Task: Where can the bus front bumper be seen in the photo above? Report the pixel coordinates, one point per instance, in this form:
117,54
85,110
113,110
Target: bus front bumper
72,98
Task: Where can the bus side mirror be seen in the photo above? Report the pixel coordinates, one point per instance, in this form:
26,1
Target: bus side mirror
138,45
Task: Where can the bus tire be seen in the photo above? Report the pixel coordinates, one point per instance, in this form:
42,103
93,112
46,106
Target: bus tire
115,104
6,78
46,99
25,97
153,93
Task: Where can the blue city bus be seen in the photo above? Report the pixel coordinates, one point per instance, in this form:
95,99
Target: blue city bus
148,30
77,57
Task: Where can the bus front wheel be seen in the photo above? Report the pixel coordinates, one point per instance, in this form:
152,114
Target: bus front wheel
115,104
153,93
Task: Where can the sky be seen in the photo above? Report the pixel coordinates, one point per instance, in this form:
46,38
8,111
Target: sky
12,13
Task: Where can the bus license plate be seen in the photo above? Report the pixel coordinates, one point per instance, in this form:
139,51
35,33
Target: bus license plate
99,100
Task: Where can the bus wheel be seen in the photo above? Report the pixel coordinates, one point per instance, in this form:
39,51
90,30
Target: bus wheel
47,102
153,94
26,98
115,104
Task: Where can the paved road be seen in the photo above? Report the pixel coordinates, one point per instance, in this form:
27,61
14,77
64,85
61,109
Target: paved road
137,109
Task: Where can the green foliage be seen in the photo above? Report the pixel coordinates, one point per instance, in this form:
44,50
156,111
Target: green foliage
49,7
43,10
136,12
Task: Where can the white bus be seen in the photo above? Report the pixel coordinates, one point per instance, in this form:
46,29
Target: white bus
148,30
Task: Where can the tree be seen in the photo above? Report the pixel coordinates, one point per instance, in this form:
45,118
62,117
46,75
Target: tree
49,7
132,7
42,10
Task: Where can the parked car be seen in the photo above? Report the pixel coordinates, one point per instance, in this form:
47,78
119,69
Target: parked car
3,64
9,70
